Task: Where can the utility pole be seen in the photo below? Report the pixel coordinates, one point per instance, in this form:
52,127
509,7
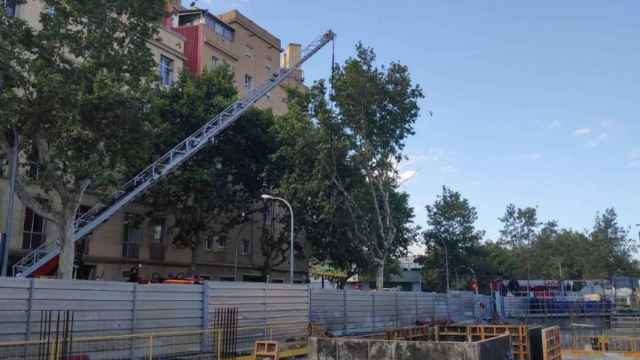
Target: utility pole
10,205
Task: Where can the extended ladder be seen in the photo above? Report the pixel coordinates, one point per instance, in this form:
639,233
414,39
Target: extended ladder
168,162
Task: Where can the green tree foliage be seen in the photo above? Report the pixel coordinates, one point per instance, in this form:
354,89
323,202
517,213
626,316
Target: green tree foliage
519,226
314,149
450,238
610,240
219,187
77,89
376,109
557,253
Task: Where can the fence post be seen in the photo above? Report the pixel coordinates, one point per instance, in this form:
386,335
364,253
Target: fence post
133,321
397,312
309,303
151,347
264,307
205,306
415,296
435,307
344,312
29,310
373,312
205,315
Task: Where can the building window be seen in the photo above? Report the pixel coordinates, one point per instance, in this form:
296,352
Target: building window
220,28
208,243
166,71
132,236
248,82
34,230
33,166
245,247
215,62
269,70
82,245
10,7
277,281
157,241
219,243
227,278
249,51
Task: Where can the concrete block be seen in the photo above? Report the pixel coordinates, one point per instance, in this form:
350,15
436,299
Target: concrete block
381,350
353,350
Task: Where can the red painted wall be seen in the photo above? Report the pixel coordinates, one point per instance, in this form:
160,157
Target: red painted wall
192,47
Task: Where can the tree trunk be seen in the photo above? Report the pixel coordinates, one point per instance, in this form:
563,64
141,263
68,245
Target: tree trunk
380,274
193,258
67,248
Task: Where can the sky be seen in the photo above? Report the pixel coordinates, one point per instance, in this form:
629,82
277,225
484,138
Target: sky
533,103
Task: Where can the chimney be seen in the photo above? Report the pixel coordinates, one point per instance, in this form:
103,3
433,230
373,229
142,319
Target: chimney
292,56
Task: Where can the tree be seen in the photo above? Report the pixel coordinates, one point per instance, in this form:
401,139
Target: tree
519,231
78,92
218,188
611,243
519,226
375,112
451,234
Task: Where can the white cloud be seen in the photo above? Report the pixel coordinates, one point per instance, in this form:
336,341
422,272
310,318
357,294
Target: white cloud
598,140
433,154
608,124
634,158
555,124
533,156
405,176
449,169
583,131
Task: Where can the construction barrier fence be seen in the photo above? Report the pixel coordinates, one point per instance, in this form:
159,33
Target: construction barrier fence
209,344
353,312
103,308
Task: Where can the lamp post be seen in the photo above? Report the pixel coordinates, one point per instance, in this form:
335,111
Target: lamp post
270,197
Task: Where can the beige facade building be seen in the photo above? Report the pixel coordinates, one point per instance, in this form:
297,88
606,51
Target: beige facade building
232,39
130,240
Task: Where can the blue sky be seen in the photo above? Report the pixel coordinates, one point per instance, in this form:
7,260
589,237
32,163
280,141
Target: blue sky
534,103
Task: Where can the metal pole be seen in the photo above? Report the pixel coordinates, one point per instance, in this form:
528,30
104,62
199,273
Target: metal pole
10,206
290,245
264,196
446,264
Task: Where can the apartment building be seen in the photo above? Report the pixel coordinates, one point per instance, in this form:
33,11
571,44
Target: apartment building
232,39
129,240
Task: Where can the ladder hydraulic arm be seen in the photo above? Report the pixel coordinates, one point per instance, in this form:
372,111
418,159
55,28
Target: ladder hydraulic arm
87,222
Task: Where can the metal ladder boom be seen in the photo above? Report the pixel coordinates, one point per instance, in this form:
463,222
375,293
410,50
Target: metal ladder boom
168,162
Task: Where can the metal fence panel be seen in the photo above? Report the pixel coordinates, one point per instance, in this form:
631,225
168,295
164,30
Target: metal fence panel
354,312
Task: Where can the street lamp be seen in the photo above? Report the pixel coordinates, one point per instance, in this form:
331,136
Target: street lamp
270,197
